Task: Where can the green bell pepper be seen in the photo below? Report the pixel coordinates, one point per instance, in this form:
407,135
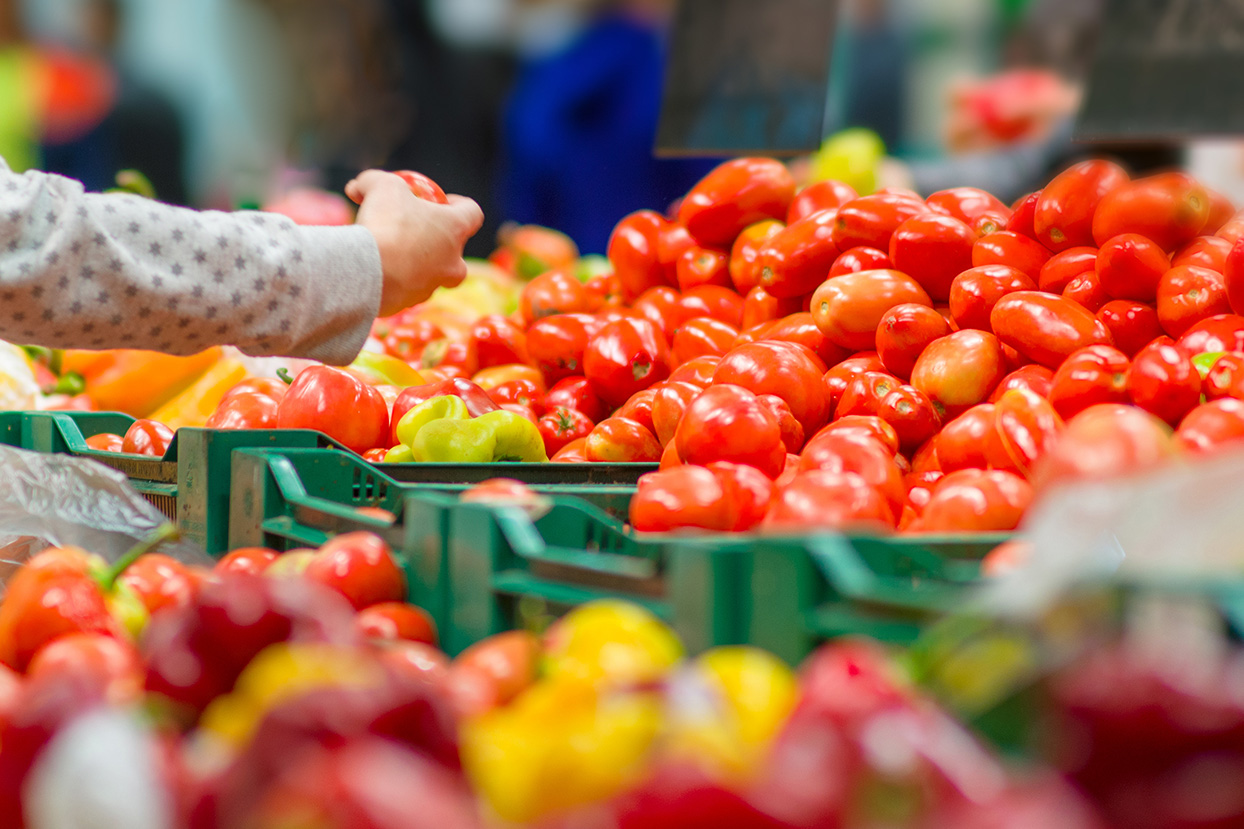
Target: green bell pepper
500,436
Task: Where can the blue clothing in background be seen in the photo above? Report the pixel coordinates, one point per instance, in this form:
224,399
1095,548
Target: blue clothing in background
579,134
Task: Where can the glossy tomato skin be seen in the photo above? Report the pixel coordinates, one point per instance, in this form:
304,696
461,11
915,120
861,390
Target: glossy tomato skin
359,566
971,441
573,452
621,440
700,337
839,451
633,252
1063,267
1015,250
966,204
848,308
1187,295
1086,291
869,221
250,410
668,406
639,408
1131,266
796,260
1164,382
498,341
869,427
1103,442
729,423
339,405
860,259
933,250
578,394
1063,217
1027,425
976,500
1169,208
822,499
960,370
393,621
823,195
524,392
698,371
800,328
864,393
790,428
555,292
684,496
975,292
1204,251
1221,211
1034,378
1225,378
1023,217
561,425
738,193
1233,274
147,437
904,333
703,266
1212,425
661,306
1133,325
912,414
624,357
745,254
423,187
761,306
106,442
1092,375
160,582
787,370
712,301
1045,328
407,340
836,379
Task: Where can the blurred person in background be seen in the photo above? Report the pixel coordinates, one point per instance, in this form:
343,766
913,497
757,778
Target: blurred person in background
18,106
581,123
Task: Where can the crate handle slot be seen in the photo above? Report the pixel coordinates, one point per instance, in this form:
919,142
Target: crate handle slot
527,543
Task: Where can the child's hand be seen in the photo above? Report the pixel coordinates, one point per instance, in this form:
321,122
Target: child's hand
420,242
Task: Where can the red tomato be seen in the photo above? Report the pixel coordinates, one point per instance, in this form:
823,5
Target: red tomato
702,336
510,661
447,353
498,341
160,582
959,370
837,378
860,259
745,255
1063,267
1188,295
864,393
1023,219
976,500
800,328
1131,266
673,241
966,204
869,221
376,455
639,408
634,255
839,451
682,496
1086,291
1165,382
1132,325
1005,558
1092,375
1225,378
795,261
359,566
624,357
736,194
490,379
100,660
904,333
661,306
269,386
669,405
1233,273
789,371
703,266
823,195
698,371
147,437
392,621
523,392
1205,252
621,440
1106,441
971,441
933,250
1032,377
245,411
822,499
712,301
976,291
849,308
669,457
1007,247
573,452
1063,217
1027,425
1221,211
1211,425
576,393
912,414
1232,230
1045,328
106,442
761,306
791,429
407,340
423,187
729,423
1169,208
556,344
477,401
555,292
604,291
870,427
251,560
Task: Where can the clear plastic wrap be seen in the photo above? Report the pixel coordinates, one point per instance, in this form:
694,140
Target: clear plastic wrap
64,500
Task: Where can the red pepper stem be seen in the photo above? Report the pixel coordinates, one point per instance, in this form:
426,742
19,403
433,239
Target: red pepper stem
108,578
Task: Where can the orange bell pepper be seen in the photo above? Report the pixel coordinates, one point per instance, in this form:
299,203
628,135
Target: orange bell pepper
139,382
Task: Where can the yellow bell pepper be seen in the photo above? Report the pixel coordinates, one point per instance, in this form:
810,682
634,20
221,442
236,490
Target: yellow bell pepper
140,382
195,405
611,641
385,370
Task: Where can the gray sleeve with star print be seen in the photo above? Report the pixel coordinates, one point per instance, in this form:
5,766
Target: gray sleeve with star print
81,270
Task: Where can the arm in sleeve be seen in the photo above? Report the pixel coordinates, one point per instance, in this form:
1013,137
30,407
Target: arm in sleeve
82,270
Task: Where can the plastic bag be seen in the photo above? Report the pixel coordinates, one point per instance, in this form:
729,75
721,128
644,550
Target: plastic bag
64,500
